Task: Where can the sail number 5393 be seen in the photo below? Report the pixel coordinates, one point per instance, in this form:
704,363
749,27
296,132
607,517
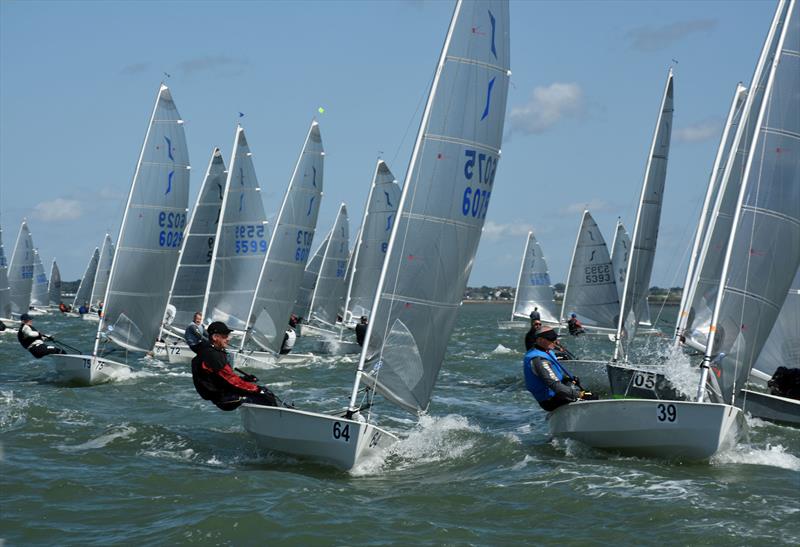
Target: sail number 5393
479,169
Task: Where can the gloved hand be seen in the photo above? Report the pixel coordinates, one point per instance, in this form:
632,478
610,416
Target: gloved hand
249,378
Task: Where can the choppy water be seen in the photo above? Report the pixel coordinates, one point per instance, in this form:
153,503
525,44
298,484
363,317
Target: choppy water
146,461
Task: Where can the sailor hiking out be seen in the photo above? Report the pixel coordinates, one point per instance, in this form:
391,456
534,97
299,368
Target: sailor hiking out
33,341
546,379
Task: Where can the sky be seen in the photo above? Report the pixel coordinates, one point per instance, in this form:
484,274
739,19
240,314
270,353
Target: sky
78,81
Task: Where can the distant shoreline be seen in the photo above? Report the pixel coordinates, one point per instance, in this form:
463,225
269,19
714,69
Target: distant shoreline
668,303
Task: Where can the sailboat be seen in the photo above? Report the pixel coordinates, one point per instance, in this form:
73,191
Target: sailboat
282,268
146,253
240,243
39,295
441,212
373,240
761,258
5,290
54,286
101,277
534,289
20,272
327,299
302,305
189,283
86,285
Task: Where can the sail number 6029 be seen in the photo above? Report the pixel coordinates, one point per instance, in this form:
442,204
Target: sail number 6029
666,413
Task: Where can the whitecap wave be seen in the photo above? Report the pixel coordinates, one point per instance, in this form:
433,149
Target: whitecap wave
118,432
772,455
502,350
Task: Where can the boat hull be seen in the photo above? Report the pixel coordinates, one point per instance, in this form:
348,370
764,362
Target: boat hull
329,439
641,383
508,325
770,407
592,374
652,428
179,354
87,370
265,359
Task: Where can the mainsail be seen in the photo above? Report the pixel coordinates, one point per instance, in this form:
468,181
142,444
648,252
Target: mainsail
763,252
54,287
302,305
39,296
534,288
372,242
645,230
703,291
783,345
620,249
712,195
442,209
282,268
87,281
240,244
191,277
151,233
591,292
327,302
103,272
5,290
20,273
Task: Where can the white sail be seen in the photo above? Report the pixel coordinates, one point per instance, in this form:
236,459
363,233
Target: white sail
191,277
706,215
645,230
283,266
5,290
763,252
445,198
241,242
87,281
151,233
372,242
327,302
534,288
302,306
620,249
103,272
782,348
39,296
591,292
20,272
54,286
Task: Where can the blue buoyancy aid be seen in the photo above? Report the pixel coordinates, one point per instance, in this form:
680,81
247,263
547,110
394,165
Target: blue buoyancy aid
535,384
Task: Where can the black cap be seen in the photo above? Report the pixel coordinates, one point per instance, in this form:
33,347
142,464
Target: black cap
218,327
547,334
25,317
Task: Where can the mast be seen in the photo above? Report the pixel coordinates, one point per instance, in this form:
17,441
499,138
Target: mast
683,313
400,208
707,357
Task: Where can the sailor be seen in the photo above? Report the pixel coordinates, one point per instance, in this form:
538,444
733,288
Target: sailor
289,337
62,307
84,308
361,330
575,327
535,315
545,378
530,336
2,326
100,309
33,341
195,333
215,380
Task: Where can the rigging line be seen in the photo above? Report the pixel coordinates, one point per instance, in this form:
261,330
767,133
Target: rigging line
411,120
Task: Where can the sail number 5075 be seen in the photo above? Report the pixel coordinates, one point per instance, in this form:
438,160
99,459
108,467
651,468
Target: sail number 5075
479,169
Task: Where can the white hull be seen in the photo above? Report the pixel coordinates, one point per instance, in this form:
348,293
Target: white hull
507,325
659,429
93,317
87,370
770,407
311,330
179,354
160,351
592,374
330,439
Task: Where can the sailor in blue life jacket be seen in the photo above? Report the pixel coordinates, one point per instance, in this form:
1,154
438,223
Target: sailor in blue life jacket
545,378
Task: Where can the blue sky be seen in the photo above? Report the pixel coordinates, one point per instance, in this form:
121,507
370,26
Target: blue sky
78,81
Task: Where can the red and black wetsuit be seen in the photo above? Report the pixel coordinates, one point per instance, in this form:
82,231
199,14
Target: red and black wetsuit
215,381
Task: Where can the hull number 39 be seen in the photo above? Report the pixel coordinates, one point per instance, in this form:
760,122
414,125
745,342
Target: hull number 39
666,413
341,432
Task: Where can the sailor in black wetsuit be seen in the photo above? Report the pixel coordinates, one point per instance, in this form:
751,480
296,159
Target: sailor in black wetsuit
33,341
361,330
535,315
215,380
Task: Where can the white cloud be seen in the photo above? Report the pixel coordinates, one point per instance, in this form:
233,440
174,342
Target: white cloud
594,205
57,210
546,107
494,230
700,131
